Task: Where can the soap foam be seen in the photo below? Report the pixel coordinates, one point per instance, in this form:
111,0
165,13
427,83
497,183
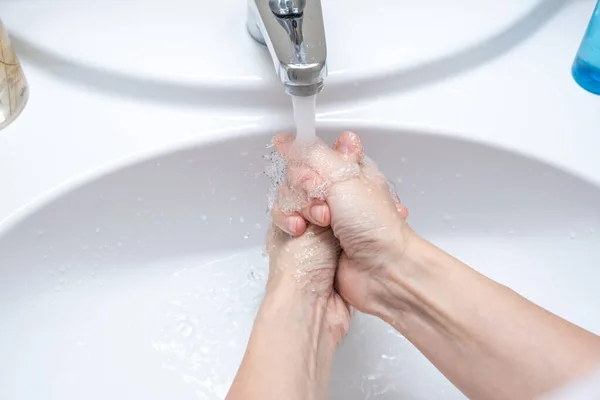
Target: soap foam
308,158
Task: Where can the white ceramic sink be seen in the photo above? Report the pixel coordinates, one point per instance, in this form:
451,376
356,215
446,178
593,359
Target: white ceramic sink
142,281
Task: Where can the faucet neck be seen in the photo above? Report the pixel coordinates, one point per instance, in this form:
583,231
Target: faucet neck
294,32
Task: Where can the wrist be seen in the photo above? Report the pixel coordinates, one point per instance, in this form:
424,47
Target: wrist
299,313
297,329
400,282
312,287
287,339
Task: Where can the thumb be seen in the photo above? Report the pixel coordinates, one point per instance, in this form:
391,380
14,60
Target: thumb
348,281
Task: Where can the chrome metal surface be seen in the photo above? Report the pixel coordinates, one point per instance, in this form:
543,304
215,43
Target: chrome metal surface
293,31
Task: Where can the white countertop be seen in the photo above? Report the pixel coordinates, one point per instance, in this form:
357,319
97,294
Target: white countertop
520,97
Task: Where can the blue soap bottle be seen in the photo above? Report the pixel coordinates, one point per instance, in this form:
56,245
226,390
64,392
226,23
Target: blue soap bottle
586,68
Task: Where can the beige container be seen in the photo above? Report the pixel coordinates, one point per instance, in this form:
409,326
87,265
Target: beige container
13,85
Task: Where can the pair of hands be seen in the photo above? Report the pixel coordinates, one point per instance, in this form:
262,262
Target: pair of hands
339,239
337,228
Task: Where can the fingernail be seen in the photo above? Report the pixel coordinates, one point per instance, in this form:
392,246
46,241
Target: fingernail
318,214
353,138
342,148
308,185
291,225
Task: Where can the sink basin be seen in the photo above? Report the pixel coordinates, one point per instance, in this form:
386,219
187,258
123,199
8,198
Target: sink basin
142,281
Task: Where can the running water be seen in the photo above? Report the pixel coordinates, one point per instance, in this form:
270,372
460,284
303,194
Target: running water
304,115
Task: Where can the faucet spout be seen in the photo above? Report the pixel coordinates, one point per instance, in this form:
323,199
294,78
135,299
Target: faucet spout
293,31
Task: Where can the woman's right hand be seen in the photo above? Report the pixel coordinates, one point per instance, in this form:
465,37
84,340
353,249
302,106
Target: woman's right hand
489,341
365,216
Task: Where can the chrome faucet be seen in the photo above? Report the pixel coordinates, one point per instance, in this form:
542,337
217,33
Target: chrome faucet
294,33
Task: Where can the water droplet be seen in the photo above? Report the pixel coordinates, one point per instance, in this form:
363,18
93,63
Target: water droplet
85,247
185,329
257,226
422,192
233,198
98,230
247,235
213,191
40,232
447,217
158,165
458,175
242,220
204,217
399,180
511,232
403,160
230,220
592,229
244,153
191,160
139,199
572,235
120,244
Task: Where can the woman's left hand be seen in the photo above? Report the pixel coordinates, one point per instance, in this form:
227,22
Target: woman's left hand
302,319
305,266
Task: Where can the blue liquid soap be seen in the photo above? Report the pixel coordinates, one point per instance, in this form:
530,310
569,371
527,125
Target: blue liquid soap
586,68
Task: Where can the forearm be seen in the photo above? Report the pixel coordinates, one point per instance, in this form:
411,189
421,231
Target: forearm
289,355
489,341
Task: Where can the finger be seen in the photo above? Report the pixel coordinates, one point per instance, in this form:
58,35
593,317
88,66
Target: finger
283,144
347,279
302,179
402,210
291,223
305,191
300,176
317,213
399,206
322,159
348,145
